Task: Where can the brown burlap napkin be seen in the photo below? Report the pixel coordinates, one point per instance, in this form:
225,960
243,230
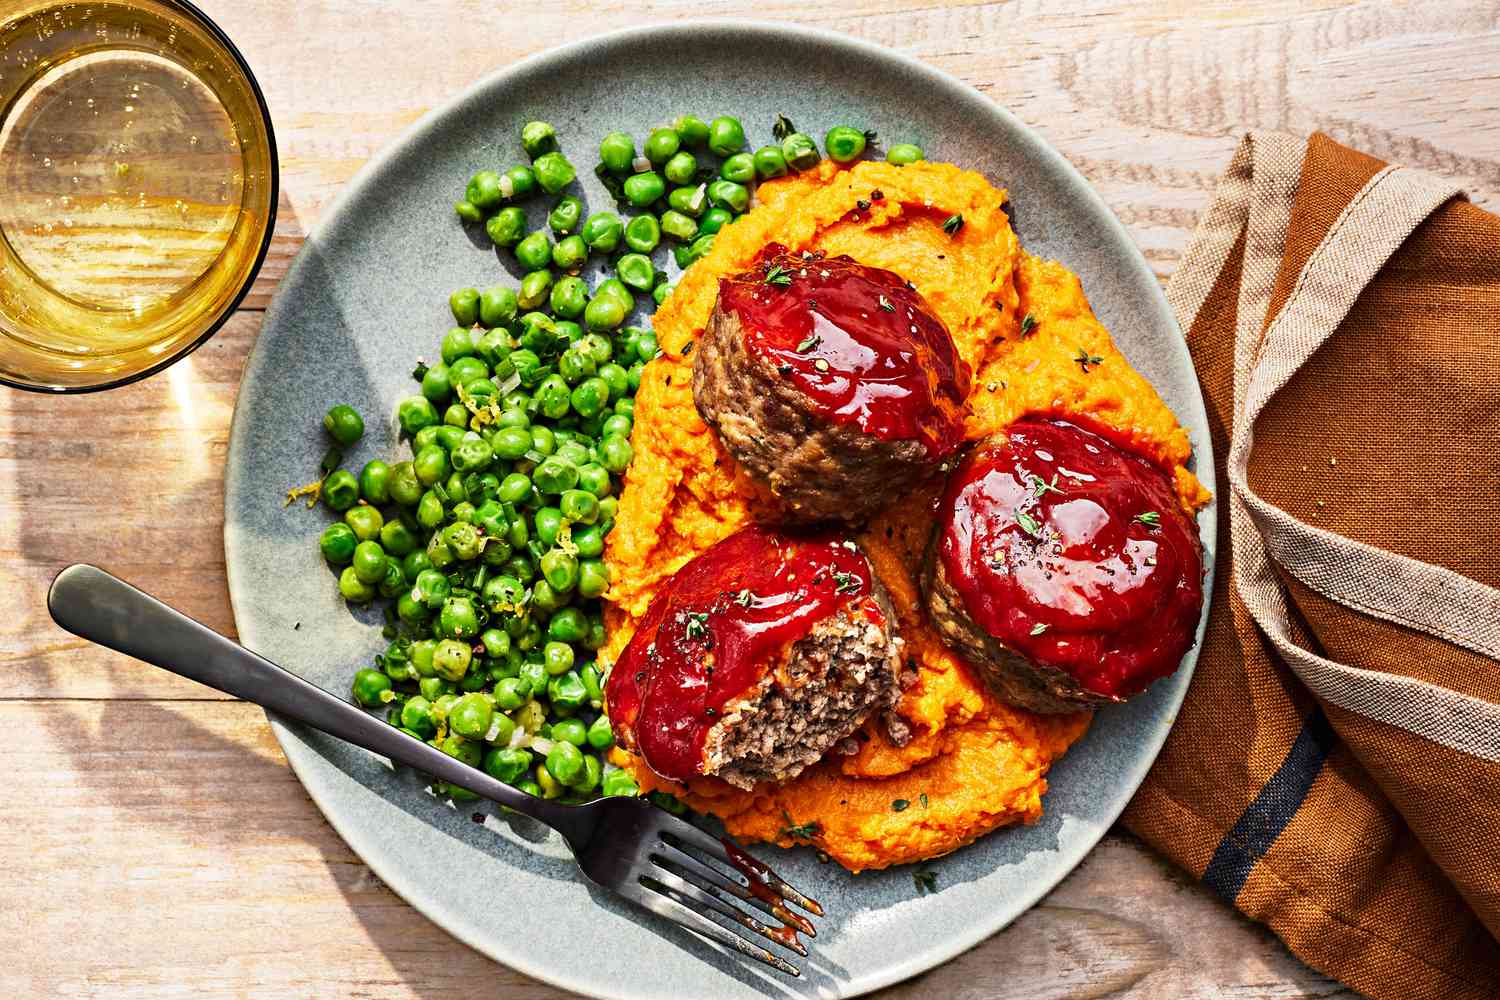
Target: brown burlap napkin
1335,769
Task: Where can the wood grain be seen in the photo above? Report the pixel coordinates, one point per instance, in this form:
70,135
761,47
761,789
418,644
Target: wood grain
155,842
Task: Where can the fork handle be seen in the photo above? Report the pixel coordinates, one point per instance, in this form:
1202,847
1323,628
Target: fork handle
99,607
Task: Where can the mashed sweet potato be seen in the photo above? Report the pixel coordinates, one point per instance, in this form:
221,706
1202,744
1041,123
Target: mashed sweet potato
973,763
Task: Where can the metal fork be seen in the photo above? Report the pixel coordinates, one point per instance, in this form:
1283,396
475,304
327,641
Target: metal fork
626,844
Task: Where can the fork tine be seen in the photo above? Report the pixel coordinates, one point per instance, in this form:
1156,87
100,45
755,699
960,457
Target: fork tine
719,850
675,875
707,872
660,902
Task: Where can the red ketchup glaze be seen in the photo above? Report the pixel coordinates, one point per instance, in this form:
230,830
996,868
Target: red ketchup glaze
719,623
1116,598
858,341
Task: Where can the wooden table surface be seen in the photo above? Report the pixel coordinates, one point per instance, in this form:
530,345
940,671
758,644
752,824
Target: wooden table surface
153,841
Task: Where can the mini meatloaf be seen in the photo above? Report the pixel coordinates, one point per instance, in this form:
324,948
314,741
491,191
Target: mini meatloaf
756,659
1063,568
831,382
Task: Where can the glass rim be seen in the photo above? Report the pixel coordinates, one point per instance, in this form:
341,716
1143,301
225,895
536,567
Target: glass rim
251,274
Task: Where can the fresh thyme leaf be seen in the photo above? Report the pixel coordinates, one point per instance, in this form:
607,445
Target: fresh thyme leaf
798,831
809,343
779,276
923,799
1028,524
887,305
1151,518
899,804
1040,487
744,597
845,583
925,880
1028,323
1038,628
419,372
953,223
782,127
871,136
697,624
1084,359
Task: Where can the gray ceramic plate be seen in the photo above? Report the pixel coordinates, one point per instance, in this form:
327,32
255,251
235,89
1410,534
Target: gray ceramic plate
368,294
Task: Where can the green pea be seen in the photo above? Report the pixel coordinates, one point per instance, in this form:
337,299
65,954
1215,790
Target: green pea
904,153
602,232
617,152
636,270
571,731
431,464
470,716
620,783
344,424
498,306
615,378
552,397
505,764
511,693
693,132
594,478
457,343
466,369
458,618
413,565
603,313
643,234
536,288
515,487
600,735
555,475
529,367
483,190
415,413
579,506
844,144
548,524
470,753
451,659
534,673
681,168
726,136
538,138
353,589
590,396
564,763
506,227
608,508
800,151
699,248
739,168
543,440
618,423
512,442
569,295
557,657
495,346
369,562
397,539
568,625
566,693
365,521
432,589
468,211
535,251
430,511
661,145
559,569
473,455
769,161
337,544
678,226
371,688
553,172
463,539
728,194
464,304
574,366
713,220
570,253
689,201
641,190
340,490
518,182
593,577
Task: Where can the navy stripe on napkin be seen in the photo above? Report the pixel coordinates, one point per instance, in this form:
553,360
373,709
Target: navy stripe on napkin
1264,819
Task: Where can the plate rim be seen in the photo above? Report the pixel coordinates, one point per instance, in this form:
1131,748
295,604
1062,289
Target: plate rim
299,756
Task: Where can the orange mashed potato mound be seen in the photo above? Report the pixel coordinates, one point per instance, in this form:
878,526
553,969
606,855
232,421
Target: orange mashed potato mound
973,763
